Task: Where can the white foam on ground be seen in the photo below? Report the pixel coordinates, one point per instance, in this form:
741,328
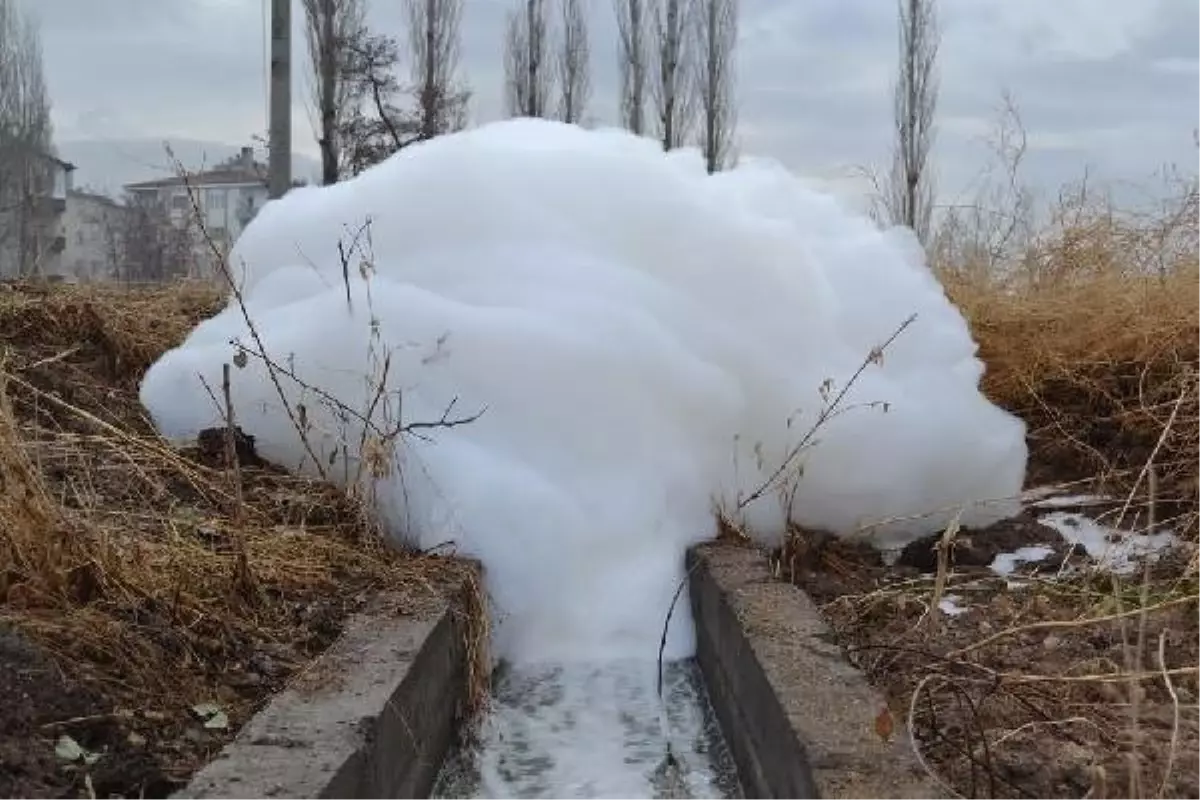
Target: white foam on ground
1115,550
1006,563
949,605
1071,501
644,341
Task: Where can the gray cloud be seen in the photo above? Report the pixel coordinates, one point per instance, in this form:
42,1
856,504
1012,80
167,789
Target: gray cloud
1102,84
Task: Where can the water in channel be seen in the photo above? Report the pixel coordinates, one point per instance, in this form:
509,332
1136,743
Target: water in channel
594,730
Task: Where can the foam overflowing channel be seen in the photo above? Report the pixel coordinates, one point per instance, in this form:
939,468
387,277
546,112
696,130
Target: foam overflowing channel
594,730
583,348
634,342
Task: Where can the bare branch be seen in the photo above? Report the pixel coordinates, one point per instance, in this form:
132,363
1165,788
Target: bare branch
527,76
574,57
990,233
673,99
910,192
26,175
831,409
716,36
374,127
632,63
433,41
331,28
152,247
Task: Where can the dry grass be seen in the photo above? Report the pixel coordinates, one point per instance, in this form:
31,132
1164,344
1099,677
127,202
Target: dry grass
1093,358
1091,334
136,566
1026,693
1094,367
1079,685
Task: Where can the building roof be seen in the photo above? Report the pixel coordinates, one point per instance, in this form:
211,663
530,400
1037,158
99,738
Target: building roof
215,177
65,165
238,170
94,197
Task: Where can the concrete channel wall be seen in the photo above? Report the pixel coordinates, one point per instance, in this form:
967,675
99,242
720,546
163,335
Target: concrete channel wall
372,717
375,715
798,718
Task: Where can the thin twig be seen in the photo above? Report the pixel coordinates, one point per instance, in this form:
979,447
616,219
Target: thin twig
1173,747
232,462
874,357
912,738
1078,623
223,267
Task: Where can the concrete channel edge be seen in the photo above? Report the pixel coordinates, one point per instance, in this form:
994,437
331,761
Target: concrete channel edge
798,717
374,716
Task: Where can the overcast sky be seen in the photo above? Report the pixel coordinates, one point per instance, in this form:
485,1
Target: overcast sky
1106,85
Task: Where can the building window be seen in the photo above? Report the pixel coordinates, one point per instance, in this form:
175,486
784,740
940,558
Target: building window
180,202
216,199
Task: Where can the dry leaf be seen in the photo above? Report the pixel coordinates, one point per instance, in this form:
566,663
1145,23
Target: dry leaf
885,725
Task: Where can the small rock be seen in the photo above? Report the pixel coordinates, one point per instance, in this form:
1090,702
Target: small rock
1051,642
1073,757
265,665
136,739
245,680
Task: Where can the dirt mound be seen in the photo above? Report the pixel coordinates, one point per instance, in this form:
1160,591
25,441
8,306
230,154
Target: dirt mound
1028,685
143,582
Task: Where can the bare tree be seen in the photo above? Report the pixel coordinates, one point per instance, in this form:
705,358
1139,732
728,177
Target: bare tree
332,28
673,102
910,190
632,61
148,246
373,124
716,39
574,62
373,127
993,230
433,39
528,77
27,166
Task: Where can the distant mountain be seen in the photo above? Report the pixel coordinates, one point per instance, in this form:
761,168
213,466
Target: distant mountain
106,165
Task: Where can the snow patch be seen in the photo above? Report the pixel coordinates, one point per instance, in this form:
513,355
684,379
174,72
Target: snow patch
949,605
1006,563
1112,549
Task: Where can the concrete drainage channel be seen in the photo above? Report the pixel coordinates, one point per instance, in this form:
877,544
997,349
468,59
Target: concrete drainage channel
376,715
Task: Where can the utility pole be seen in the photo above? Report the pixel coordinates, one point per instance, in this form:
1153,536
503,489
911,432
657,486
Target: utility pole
279,167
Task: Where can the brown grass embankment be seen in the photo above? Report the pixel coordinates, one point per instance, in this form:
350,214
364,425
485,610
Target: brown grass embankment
1096,363
149,579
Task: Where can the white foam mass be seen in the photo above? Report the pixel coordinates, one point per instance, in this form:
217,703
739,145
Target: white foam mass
644,342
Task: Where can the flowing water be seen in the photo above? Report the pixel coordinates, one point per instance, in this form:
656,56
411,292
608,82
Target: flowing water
594,730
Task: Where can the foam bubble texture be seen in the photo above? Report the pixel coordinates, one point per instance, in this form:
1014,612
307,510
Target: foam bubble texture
644,341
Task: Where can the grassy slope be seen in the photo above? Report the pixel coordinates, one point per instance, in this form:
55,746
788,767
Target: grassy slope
135,567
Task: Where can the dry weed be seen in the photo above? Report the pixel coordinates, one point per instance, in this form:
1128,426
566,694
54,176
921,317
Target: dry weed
138,566
1095,368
